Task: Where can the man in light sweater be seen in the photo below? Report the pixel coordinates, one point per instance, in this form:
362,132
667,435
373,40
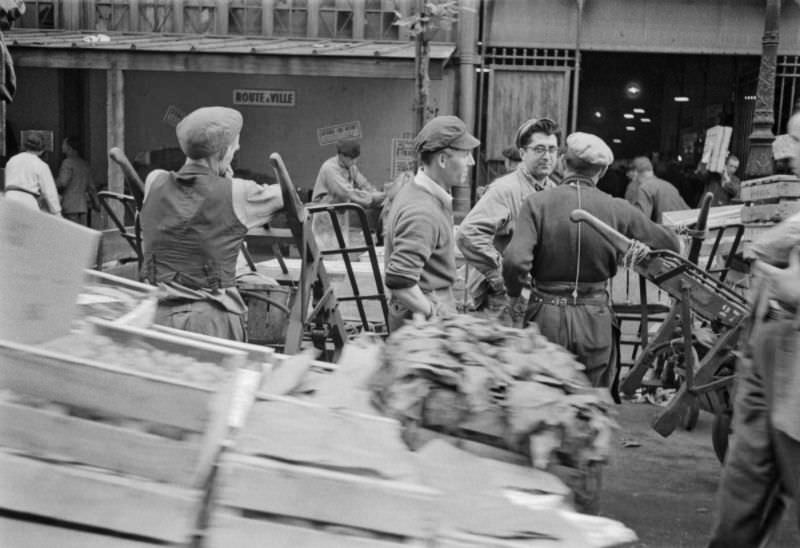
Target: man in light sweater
419,244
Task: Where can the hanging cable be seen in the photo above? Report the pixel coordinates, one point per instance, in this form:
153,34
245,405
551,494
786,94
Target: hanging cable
578,265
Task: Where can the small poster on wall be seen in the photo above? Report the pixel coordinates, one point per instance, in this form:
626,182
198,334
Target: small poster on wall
45,135
340,132
173,116
403,156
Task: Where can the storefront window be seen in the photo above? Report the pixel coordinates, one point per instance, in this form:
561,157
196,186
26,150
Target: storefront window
291,18
156,16
110,15
380,17
39,14
200,17
245,17
336,19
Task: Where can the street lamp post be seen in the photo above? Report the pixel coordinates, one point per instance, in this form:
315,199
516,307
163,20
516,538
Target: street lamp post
759,158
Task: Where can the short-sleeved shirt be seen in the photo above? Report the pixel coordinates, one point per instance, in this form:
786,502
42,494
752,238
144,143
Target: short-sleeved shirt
336,182
419,244
29,173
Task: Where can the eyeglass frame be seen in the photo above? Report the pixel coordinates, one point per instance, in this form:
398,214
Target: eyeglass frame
543,149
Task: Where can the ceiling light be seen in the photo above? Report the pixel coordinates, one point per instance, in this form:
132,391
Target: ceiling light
598,114
645,120
681,99
638,111
630,128
633,90
628,116
616,141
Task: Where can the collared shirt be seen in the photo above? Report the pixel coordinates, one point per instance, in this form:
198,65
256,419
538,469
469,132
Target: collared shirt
254,205
487,229
336,183
419,244
27,171
75,178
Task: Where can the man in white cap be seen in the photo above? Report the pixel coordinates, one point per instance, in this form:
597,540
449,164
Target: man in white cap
763,460
486,230
419,245
194,222
28,177
570,265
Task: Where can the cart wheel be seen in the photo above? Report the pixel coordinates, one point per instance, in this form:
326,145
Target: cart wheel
691,415
720,431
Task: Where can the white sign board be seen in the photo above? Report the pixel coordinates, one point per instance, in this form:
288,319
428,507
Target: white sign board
403,156
715,149
264,97
41,272
340,132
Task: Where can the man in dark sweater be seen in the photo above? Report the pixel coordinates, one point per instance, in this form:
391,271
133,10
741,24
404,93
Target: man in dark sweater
419,245
655,196
569,263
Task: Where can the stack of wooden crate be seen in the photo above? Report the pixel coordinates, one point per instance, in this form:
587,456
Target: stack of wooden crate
767,201
99,454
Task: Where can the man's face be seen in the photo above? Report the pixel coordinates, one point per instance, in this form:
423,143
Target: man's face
539,155
456,165
731,166
794,132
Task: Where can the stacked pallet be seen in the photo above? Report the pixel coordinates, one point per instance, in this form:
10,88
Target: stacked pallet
108,437
768,201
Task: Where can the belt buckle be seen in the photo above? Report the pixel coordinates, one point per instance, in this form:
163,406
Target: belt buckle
562,301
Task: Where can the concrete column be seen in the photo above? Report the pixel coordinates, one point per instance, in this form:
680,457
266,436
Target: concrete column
268,17
223,8
115,129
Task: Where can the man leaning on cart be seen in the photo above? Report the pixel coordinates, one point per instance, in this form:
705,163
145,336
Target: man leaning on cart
763,460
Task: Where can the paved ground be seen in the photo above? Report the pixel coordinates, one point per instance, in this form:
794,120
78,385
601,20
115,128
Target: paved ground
664,489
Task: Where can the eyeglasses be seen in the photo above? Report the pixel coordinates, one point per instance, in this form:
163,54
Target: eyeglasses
540,150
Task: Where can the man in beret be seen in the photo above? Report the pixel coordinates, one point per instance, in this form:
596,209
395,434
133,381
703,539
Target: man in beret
571,264
194,222
486,230
763,459
28,178
654,196
340,181
419,245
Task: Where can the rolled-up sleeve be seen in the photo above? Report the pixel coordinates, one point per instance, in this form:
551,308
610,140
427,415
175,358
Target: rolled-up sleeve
255,204
638,226
475,237
412,246
518,256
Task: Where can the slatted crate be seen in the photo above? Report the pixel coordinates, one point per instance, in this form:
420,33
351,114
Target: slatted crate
280,482
774,187
103,292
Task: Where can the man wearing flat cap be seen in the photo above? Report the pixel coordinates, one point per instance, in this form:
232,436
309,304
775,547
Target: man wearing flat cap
570,265
655,196
486,230
28,178
194,222
419,245
340,181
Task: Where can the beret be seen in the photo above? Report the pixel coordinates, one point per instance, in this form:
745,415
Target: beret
444,132
589,148
208,131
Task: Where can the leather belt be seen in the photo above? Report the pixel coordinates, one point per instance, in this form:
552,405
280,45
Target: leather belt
20,189
564,300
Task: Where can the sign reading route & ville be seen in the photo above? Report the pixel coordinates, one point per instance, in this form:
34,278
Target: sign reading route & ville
264,97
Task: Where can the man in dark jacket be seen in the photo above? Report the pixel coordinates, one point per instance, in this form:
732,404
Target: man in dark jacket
571,264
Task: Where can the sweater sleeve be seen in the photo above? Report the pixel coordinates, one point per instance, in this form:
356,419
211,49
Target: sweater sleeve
644,201
475,237
412,245
636,225
518,256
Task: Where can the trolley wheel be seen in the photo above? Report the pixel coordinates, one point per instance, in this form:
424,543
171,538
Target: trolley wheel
720,431
691,415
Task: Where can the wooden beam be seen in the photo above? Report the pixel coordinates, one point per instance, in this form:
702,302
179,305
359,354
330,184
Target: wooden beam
222,18
238,63
312,30
90,15
133,15
72,15
115,130
177,16
359,19
31,534
267,17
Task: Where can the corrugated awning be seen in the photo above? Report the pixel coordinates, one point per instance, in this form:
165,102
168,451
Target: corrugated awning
227,44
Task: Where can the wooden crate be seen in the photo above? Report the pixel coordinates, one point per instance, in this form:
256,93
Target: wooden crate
770,188
141,315
191,419
770,212
65,505
301,494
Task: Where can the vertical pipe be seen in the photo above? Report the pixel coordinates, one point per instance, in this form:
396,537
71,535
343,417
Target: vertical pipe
467,42
759,159
577,71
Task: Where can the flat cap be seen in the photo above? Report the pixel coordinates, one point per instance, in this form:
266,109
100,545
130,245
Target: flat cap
444,132
208,130
351,149
33,142
589,148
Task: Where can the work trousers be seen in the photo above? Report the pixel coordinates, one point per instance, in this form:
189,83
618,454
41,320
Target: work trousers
585,329
763,463
203,317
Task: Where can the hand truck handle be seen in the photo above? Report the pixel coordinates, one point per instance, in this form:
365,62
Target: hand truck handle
619,241
134,182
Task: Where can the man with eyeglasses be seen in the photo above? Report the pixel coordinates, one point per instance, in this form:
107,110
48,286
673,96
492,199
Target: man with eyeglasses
570,264
419,245
487,229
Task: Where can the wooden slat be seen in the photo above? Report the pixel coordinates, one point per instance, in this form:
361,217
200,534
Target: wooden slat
327,496
229,531
78,495
44,433
255,353
67,380
27,534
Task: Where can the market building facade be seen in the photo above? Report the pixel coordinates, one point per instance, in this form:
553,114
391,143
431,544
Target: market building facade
306,72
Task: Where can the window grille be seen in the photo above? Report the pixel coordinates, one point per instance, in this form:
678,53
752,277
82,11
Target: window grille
519,56
291,18
245,17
